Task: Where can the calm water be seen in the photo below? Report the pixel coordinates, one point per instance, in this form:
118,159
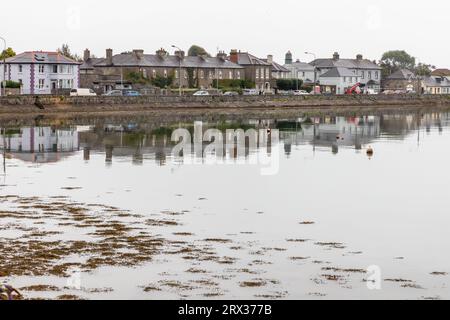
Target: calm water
292,232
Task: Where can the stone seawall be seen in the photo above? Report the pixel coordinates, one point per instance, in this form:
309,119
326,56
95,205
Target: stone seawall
54,104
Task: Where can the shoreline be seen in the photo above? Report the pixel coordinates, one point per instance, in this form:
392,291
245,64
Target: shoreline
21,109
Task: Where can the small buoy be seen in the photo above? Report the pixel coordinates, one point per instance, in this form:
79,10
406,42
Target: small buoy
370,151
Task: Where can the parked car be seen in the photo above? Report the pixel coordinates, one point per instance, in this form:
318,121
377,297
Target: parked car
300,93
114,93
201,93
231,93
131,93
82,93
250,92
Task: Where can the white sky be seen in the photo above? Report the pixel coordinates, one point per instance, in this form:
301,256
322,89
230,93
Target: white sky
261,27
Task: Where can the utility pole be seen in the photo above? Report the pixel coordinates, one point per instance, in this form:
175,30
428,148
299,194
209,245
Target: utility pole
179,73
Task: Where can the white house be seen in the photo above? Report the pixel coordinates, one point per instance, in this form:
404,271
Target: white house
436,85
300,70
368,72
337,80
42,72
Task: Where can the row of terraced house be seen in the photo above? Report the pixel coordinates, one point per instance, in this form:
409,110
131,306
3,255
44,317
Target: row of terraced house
51,72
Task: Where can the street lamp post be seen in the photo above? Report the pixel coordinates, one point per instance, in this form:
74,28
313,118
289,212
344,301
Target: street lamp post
4,66
179,72
315,72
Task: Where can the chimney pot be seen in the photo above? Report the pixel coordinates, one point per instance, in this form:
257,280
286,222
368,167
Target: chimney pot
87,55
336,56
234,56
109,56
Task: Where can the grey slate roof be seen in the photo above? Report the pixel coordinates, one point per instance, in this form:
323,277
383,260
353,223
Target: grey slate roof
301,66
437,81
345,63
338,73
276,67
402,74
247,59
169,61
89,64
40,57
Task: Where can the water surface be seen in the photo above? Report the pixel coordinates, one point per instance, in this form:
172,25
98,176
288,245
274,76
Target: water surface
309,230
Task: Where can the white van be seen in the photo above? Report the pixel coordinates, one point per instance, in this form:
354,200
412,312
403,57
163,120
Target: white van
82,93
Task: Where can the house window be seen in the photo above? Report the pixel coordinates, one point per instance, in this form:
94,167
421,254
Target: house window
230,74
262,73
144,73
154,73
211,75
257,73
41,83
362,75
185,74
370,75
176,74
376,75
41,68
220,74
55,69
20,68
202,74
165,73
238,74
267,73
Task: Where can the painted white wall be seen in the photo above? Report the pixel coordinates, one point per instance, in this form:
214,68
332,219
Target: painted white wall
65,74
341,83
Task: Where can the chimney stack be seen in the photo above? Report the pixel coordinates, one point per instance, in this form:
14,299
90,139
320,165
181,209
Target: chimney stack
359,57
222,55
270,59
234,57
180,54
87,55
109,57
336,56
161,53
139,53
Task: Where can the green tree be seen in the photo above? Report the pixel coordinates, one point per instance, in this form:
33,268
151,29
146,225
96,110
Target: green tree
395,60
196,51
65,51
162,82
8,53
424,70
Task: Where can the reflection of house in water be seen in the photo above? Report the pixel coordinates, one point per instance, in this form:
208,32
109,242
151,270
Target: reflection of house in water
40,144
333,132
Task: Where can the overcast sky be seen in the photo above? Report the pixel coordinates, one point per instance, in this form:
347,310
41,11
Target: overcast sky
261,27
